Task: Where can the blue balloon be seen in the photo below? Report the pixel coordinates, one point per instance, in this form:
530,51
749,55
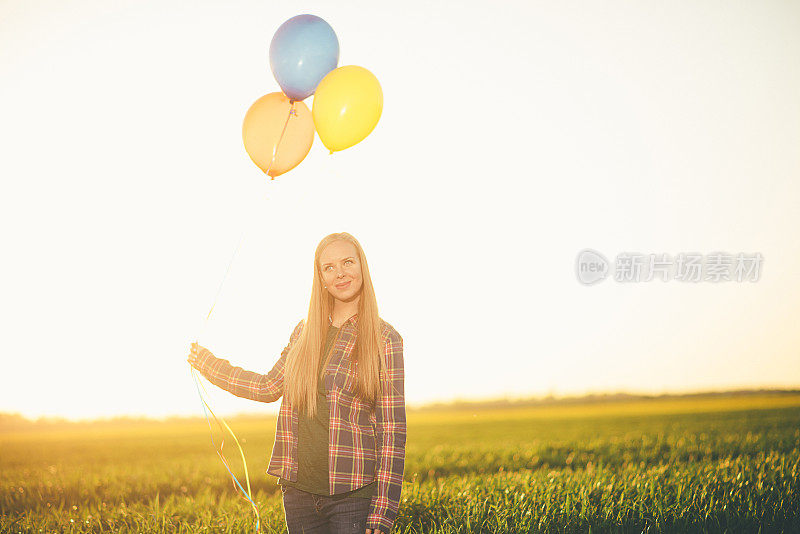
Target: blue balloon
302,52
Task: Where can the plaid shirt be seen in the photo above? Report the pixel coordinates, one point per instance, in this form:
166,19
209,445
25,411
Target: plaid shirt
367,441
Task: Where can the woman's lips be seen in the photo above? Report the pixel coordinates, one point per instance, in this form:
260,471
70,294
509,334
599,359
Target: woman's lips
343,286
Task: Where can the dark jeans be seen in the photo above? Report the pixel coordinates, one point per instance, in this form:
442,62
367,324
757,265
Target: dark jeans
307,513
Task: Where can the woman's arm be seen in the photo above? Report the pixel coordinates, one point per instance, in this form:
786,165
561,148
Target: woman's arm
246,384
390,418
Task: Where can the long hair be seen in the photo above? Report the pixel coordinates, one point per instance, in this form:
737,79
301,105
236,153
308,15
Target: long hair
302,362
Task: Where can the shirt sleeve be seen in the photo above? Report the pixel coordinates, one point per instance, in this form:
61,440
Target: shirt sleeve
246,384
390,419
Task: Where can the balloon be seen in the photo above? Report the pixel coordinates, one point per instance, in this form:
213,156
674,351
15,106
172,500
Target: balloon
275,129
302,52
347,106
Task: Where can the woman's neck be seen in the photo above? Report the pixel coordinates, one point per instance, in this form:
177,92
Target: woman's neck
342,311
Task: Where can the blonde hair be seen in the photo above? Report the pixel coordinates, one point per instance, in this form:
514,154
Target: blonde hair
302,362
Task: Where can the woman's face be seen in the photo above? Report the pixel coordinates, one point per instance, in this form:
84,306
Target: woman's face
341,270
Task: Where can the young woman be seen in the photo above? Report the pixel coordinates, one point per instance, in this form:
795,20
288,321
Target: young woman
339,447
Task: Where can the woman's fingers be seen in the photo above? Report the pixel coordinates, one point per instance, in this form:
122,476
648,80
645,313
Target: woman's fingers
194,351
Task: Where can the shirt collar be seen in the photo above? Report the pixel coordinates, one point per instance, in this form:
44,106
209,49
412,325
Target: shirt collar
353,319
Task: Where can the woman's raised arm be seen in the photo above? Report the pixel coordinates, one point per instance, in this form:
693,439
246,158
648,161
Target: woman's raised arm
245,384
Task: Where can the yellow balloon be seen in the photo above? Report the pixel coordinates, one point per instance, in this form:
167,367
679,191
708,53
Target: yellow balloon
276,138
347,105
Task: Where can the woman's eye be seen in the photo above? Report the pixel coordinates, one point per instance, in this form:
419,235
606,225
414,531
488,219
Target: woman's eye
349,261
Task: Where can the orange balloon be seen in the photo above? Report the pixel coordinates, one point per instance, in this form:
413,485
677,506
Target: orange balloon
277,138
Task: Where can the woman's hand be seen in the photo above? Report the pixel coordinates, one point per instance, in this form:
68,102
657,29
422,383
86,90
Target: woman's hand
194,352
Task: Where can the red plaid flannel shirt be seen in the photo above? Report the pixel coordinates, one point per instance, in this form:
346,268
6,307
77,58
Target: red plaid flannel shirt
367,441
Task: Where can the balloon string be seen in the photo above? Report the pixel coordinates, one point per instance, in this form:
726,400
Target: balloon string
206,409
219,289
292,111
247,225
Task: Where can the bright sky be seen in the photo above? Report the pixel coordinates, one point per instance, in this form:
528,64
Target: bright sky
511,139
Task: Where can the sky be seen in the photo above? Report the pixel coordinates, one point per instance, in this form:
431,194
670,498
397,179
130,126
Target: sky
513,136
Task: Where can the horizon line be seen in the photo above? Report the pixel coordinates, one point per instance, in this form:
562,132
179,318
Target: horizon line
456,403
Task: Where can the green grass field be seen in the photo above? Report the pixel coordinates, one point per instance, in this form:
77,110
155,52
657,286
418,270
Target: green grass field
694,464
